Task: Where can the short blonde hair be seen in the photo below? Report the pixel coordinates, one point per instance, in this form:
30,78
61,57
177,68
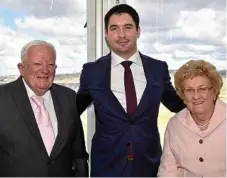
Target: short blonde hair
194,68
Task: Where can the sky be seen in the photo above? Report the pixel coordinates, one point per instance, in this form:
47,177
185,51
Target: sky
171,30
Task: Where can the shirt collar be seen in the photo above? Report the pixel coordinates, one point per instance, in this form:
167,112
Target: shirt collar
116,59
31,93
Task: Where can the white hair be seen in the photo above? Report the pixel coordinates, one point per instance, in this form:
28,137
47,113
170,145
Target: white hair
27,46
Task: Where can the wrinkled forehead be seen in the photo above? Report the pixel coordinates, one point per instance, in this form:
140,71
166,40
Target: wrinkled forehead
197,81
41,52
42,48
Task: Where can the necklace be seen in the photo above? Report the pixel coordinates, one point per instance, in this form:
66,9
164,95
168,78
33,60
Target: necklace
204,125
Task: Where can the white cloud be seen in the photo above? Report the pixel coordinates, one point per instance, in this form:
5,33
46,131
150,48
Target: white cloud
64,30
199,24
195,34
60,26
173,31
45,8
202,47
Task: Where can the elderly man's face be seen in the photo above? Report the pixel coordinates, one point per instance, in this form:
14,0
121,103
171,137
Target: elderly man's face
38,69
199,95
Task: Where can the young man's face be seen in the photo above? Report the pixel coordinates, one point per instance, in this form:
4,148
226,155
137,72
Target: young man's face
122,35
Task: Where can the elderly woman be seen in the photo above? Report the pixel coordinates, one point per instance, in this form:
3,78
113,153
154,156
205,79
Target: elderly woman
195,138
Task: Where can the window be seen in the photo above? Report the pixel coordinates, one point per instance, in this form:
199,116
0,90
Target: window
177,31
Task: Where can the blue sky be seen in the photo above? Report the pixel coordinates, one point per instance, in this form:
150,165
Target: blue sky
9,15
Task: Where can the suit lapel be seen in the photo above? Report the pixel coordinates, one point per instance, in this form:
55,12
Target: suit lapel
143,104
21,99
62,132
104,74
151,78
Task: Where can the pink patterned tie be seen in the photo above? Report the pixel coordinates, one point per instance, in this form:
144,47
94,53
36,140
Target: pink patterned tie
44,123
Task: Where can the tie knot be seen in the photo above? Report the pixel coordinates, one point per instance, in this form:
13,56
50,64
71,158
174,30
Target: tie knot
38,100
126,64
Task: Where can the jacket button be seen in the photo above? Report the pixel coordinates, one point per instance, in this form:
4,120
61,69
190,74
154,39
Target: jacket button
201,159
200,141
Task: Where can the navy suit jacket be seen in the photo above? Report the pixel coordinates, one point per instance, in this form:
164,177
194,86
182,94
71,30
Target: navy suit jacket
114,131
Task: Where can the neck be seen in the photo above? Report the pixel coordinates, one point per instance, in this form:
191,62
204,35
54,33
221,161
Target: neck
203,118
126,55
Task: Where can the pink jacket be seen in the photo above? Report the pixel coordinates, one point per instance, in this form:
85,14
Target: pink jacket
189,152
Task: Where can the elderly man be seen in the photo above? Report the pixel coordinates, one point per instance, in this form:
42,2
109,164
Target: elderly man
40,131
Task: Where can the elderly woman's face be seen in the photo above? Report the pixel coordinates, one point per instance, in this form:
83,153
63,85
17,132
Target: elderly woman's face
198,94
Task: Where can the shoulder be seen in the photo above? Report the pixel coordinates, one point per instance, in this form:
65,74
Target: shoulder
4,90
220,111
62,89
157,65
97,62
176,121
7,86
220,106
7,89
152,60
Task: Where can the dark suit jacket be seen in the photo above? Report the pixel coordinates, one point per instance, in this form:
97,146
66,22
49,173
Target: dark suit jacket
22,152
114,131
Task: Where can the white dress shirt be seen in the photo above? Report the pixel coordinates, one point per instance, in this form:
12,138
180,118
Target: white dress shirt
117,77
48,103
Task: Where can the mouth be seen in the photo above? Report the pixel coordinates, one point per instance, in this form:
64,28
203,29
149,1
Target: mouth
123,42
43,78
198,102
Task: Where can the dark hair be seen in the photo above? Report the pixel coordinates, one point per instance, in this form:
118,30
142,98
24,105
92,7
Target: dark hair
119,9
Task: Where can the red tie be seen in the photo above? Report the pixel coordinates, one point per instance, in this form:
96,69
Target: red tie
130,92
131,101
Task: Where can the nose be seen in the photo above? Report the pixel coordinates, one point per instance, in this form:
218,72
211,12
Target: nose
45,69
121,33
196,95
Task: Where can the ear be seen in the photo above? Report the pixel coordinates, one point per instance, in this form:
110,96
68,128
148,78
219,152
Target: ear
106,33
21,68
138,32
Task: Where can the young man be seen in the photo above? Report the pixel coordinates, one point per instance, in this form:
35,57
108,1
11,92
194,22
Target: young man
126,88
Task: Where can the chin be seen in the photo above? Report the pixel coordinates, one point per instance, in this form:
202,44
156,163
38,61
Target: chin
44,86
199,111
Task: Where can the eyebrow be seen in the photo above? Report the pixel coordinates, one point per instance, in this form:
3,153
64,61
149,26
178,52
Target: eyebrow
128,24
111,26
203,85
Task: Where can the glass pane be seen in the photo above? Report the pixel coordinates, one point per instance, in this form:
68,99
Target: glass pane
176,31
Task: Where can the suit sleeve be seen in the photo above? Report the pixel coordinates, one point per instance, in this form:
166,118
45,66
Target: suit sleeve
170,98
83,99
168,166
80,154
